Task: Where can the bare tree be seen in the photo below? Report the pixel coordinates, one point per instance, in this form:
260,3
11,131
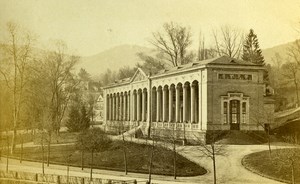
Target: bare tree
211,150
228,41
264,118
290,72
288,157
173,42
293,51
204,52
94,140
17,54
61,81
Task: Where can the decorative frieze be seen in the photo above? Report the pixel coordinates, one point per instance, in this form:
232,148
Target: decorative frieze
234,76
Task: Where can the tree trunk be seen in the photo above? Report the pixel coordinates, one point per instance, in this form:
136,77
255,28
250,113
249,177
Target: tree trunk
82,159
13,140
296,86
174,149
293,173
68,170
48,150
21,155
269,142
125,156
7,141
214,163
91,173
43,154
151,160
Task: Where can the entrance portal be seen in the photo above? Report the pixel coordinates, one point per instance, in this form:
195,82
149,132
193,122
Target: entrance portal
234,113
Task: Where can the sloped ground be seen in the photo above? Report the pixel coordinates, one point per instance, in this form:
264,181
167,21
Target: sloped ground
238,138
278,165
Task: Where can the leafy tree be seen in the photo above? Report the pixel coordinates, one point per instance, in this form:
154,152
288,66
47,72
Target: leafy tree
151,64
84,75
126,72
251,50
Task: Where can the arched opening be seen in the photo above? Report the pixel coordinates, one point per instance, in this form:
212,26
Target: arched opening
187,102
172,103
165,105
154,104
179,103
144,105
159,103
195,102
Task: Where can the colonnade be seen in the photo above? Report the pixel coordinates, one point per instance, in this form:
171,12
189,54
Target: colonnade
169,103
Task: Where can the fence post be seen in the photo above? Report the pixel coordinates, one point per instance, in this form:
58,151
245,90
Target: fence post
36,177
82,180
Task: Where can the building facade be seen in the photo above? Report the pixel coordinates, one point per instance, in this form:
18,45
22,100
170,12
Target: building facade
216,94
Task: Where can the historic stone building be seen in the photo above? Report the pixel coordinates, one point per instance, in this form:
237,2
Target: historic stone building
215,94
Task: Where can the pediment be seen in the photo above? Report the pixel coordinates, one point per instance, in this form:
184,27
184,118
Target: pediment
139,75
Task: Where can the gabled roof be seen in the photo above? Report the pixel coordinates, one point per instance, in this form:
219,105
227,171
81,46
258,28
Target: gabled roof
223,60
139,72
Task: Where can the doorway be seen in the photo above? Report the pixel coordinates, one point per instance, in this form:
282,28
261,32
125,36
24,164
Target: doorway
234,113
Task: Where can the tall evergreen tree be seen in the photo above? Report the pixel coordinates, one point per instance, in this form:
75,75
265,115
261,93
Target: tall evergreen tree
251,50
84,118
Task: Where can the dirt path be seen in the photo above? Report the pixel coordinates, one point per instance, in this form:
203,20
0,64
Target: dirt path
229,167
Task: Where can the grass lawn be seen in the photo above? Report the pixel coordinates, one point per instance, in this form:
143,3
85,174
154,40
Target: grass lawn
278,166
137,155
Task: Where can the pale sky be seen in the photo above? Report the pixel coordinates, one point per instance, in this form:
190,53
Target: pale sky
91,26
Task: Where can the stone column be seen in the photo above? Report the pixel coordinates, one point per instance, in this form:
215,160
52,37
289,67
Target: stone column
125,107
200,105
158,102
177,109
108,108
114,107
139,106
117,107
128,106
165,90
193,102
170,105
144,99
184,103
134,107
121,107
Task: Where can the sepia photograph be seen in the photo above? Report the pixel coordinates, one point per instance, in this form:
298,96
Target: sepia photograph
149,92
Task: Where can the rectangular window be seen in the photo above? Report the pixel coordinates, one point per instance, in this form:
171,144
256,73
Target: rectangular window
225,108
244,107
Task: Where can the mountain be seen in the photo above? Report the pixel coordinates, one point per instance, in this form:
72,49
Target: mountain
126,55
113,59
269,53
